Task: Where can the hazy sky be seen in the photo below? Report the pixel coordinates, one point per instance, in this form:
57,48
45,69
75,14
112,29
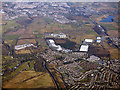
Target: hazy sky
60,0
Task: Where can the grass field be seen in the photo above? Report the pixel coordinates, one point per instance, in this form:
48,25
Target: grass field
38,24
23,66
20,31
10,42
41,41
113,51
23,51
113,33
11,25
30,79
57,76
27,36
10,37
110,27
26,41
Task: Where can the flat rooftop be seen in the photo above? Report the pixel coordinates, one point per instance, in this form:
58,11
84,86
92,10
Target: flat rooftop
84,48
89,40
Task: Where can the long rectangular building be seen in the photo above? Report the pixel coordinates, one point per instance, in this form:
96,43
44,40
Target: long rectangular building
19,47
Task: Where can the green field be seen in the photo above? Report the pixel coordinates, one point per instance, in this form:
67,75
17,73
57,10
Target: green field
110,27
30,79
10,25
10,37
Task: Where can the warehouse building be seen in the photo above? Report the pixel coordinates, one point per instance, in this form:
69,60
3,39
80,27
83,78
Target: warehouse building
61,35
19,47
88,40
84,48
52,45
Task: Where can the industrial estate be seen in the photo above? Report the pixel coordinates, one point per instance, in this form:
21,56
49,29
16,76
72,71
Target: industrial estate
60,45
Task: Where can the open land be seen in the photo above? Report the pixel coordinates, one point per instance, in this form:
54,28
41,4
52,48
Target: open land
38,64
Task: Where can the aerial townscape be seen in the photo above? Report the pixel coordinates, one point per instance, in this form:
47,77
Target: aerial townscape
60,45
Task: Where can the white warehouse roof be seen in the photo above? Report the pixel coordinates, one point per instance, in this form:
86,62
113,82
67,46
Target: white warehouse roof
51,41
18,47
84,48
59,48
89,40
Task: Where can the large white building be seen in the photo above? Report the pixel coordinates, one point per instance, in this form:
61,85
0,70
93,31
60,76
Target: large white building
88,40
19,47
52,44
61,35
51,41
84,48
